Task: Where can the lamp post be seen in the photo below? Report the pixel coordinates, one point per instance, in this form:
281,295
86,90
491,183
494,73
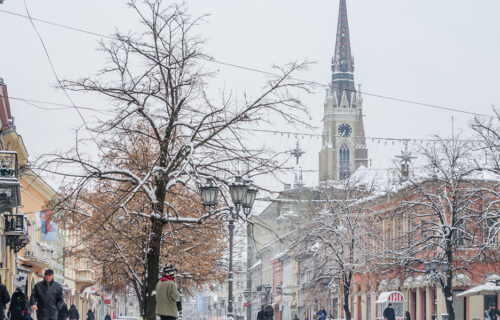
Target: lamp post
432,270
243,194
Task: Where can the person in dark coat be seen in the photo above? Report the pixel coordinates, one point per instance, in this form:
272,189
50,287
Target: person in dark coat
107,317
260,314
73,313
47,297
407,315
63,312
18,308
4,299
493,312
389,313
268,312
90,315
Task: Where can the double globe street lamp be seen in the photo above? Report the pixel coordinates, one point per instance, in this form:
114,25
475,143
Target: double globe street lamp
243,194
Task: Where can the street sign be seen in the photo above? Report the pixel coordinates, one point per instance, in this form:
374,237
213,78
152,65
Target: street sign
107,301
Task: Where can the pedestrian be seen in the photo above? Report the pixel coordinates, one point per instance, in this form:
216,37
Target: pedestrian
167,295
295,317
321,314
407,315
63,312
107,317
268,312
18,306
4,299
90,315
389,313
493,312
260,314
73,313
46,297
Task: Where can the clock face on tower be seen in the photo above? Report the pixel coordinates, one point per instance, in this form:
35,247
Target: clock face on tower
345,130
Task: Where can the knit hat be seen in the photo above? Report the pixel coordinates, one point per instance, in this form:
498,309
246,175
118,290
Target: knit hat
169,270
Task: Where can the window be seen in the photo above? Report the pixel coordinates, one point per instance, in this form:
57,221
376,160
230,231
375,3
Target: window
344,162
490,234
459,234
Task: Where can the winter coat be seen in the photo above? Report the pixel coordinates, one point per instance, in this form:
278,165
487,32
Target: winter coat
90,315
268,313
63,312
107,317
389,314
166,297
260,315
18,308
73,313
47,296
493,313
321,314
4,299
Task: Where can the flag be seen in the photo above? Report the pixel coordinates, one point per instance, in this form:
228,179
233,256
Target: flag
48,230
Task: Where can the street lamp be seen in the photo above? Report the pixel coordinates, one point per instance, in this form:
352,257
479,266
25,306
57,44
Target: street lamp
433,273
238,190
209,192
243,194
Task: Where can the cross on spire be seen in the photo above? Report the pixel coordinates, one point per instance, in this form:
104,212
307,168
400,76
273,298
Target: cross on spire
297,152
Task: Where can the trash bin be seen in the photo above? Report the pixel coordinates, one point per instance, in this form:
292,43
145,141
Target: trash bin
444,316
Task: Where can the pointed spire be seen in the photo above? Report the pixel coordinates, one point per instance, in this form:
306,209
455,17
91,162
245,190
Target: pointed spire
343,62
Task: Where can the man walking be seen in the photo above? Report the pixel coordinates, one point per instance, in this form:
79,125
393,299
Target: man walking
47,297
167,295
4,299
389,313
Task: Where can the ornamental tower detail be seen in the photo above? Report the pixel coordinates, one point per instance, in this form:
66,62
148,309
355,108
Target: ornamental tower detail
344,145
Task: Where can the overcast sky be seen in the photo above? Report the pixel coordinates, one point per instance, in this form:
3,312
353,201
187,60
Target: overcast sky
442,52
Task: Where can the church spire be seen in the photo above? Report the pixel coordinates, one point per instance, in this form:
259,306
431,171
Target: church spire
343,62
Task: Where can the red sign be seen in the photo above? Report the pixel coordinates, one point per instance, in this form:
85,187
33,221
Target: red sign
246,304
107,301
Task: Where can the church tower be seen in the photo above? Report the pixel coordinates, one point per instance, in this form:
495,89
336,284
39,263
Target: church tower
344,144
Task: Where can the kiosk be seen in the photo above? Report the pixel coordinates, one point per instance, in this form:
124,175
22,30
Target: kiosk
396,298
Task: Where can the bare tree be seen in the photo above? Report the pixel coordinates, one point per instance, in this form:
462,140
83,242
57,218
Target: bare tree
488,134
156,84
335,233
442,203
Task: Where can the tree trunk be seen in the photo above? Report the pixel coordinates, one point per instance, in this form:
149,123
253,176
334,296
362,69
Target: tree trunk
346,303
449,303
448,294
153,262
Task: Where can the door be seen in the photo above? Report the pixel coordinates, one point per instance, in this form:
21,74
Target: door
369,307
458,306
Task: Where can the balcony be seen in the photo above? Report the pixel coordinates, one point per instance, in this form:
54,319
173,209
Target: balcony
9,181
38,256
84,278
16,232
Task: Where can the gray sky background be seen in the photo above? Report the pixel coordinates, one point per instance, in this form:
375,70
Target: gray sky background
442,52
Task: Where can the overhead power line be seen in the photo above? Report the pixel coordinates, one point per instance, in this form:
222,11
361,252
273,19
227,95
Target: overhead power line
57,76
212,60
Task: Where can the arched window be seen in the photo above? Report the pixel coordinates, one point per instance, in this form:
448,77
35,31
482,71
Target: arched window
344,162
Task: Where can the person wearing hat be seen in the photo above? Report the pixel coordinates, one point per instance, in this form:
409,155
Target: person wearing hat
47,297
167,295
389,313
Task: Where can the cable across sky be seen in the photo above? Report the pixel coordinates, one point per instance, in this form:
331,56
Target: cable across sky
233,65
